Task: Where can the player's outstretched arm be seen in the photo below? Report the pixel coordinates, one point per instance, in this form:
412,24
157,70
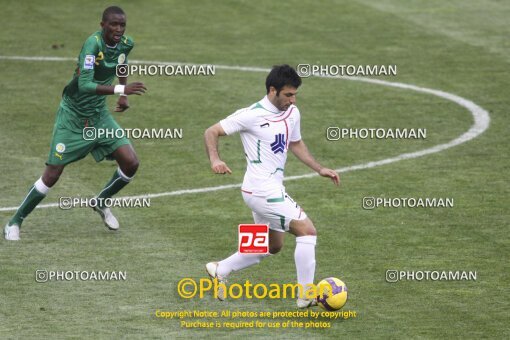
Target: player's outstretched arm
211,137
301,151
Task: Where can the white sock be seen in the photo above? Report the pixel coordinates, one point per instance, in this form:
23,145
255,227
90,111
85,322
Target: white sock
304,256
41,187
237,262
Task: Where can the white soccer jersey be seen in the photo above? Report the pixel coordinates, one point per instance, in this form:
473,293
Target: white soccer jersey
266,133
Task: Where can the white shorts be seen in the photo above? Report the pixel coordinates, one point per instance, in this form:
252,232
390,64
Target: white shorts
277,210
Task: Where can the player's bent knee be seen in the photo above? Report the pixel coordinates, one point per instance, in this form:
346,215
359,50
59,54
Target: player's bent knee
130,167
51,175
275,249
311,232
135,163
303,227
127,160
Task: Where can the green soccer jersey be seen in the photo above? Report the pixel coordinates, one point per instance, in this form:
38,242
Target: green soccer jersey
96,66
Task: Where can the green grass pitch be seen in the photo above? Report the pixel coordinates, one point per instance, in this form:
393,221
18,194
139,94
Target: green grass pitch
460,47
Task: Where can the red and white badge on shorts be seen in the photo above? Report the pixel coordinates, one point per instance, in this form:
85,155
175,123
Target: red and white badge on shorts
253,239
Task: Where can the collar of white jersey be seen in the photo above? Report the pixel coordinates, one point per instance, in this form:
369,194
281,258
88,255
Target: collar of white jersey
266,104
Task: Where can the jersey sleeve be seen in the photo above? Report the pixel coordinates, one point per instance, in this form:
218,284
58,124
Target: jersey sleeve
238,121
128,43
86,65
296,131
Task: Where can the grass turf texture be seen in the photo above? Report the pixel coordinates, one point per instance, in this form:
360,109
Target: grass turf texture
459,47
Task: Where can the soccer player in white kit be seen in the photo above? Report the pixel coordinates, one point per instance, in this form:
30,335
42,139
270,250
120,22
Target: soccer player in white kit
268,129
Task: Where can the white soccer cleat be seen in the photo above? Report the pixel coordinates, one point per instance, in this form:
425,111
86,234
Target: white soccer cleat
11,232
109,220
305,303
212,268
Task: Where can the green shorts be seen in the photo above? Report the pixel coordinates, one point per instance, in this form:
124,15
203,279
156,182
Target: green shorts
70,144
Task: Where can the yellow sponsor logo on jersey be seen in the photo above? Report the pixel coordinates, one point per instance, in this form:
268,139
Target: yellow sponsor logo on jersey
100,56
58,155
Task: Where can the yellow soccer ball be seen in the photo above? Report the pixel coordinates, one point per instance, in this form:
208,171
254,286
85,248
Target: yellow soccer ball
332,293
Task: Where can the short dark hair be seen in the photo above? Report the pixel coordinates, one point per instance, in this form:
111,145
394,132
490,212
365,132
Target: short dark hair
112,10
282,75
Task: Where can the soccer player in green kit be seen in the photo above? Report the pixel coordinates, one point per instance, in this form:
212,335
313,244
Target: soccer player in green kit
83,105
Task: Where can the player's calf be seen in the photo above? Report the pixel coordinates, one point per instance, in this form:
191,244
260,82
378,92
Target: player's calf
35,195
235,262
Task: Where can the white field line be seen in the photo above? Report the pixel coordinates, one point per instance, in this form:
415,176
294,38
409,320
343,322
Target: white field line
480,116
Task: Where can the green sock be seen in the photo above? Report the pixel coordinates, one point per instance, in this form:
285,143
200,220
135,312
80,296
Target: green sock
116,183
30,202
